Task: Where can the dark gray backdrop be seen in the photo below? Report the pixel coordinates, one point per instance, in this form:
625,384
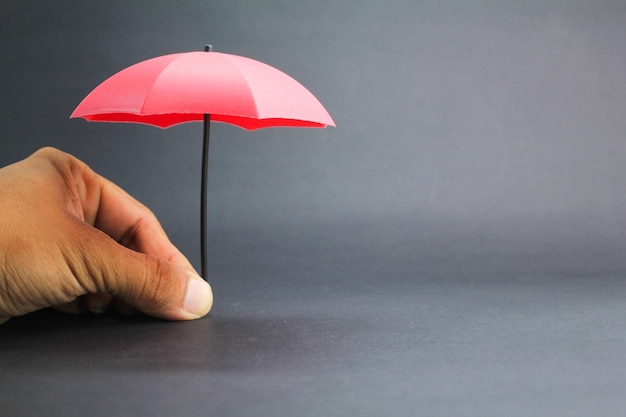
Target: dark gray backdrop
460,231
454,111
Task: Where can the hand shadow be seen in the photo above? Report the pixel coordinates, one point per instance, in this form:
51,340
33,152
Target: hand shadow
52,341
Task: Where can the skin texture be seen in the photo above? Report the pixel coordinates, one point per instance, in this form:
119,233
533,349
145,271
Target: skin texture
73,240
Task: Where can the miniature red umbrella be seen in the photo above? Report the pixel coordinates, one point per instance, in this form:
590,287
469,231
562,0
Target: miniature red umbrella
203,86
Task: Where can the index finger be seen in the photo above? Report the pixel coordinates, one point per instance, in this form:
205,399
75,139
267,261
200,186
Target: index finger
112,210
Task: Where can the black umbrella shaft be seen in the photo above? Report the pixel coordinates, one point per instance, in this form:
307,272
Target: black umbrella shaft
203,196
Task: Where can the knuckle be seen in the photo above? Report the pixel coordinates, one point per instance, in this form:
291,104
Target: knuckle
48,152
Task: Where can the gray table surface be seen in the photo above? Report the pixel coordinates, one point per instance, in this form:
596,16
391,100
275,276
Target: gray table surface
368,319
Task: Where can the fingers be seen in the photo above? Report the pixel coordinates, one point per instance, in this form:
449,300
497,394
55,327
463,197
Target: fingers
110,209
97,303
134,225
114,247
150,284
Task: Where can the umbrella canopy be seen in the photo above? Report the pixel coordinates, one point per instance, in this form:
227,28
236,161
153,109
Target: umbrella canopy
179,88
203,86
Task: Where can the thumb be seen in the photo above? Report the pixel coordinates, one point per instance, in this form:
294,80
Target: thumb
151,285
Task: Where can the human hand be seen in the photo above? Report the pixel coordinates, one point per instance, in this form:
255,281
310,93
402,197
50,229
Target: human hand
72,239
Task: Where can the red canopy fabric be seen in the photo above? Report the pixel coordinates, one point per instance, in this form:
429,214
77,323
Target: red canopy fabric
179,88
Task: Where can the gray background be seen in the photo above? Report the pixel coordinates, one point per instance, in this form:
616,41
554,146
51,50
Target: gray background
454,247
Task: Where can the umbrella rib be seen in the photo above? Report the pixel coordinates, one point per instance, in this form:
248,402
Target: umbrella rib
247,85
149,92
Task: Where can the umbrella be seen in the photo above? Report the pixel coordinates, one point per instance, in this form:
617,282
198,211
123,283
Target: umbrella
203,86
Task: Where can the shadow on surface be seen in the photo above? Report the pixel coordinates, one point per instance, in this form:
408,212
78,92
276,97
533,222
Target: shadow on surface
48,340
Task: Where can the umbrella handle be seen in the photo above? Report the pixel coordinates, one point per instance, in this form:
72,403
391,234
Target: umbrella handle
204,185
203,196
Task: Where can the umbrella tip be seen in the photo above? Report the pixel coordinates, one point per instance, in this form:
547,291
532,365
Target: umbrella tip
208,48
